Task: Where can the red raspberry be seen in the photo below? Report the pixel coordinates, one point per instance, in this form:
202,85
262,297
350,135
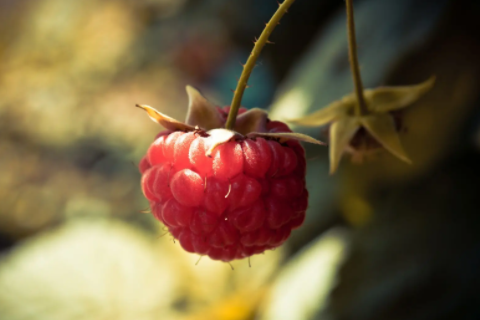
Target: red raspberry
244,199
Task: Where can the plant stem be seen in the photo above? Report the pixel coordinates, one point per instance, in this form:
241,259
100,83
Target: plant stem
353,57
248,67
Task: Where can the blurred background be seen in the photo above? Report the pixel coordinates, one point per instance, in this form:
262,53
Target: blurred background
382,239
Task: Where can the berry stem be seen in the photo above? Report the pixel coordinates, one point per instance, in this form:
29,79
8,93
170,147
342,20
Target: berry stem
353,57
248,67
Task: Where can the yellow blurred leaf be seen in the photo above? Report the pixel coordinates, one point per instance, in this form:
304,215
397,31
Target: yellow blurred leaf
334,111
302,288
89,269
240,305
385,99
341,132
382,128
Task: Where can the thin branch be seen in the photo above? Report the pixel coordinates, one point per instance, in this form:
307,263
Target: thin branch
248,67
353,57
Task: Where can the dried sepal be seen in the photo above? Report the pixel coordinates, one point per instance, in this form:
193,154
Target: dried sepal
334,111
201,112
164,120
377,120
253,120
204,117
386,99
218,137
382,128
284,136
341,132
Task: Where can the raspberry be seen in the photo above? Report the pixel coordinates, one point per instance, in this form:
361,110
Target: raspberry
244,199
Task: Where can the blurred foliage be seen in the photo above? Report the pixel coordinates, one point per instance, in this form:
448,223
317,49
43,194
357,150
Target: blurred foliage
301,288
103,269
74,243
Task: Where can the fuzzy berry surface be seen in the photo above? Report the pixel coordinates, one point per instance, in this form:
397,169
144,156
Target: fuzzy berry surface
244,199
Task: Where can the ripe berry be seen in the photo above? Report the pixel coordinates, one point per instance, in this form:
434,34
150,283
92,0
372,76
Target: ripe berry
228,183
242,200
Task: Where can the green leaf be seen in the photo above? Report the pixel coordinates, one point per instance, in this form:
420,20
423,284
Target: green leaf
387,99
164,120
341,132
334,111
382,127
201,113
